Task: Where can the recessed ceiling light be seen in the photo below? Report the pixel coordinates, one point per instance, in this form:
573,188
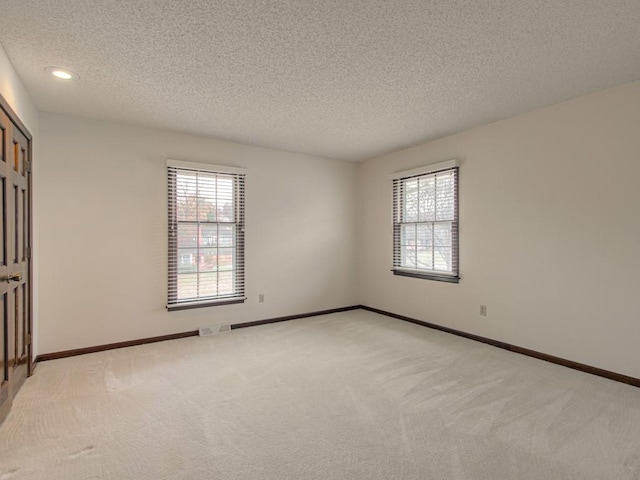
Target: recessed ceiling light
62,73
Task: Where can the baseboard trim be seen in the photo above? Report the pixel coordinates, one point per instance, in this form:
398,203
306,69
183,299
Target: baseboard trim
192,333
294,317
112,346
618,377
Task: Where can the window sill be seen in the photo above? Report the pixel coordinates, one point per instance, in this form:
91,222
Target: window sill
212,303
428,276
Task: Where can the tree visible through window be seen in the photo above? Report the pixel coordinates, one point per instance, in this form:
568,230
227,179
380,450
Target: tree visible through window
425,223
206,236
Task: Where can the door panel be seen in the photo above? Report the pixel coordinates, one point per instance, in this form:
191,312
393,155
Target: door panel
20,269
24,220
16,225
4,343
6,327
15,257
3,221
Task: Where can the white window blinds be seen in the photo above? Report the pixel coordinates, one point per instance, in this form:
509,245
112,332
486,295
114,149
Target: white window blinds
206,235
425,222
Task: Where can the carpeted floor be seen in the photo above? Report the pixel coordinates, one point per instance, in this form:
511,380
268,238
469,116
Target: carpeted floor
346,396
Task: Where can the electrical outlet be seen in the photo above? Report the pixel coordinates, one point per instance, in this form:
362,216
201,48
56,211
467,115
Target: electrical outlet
261,298
483,310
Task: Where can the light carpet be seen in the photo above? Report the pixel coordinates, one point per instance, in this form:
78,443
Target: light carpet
353,395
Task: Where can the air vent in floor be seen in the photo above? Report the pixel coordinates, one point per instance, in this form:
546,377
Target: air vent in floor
214,330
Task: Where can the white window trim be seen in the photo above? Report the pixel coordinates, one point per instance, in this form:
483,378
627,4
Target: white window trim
206,167
427,169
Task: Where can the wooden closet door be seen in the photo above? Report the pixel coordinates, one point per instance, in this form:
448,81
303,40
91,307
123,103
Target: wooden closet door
15,258
6,326
18,279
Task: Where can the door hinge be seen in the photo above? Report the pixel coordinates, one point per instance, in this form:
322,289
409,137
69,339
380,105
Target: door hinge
27,166
28,253
28,339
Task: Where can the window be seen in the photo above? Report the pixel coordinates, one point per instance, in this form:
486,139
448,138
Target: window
206,235
425,222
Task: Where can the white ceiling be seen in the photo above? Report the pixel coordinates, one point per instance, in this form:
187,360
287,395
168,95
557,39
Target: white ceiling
347,79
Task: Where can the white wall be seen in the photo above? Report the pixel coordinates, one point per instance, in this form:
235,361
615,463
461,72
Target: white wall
14,92
16,95
549,232
103,232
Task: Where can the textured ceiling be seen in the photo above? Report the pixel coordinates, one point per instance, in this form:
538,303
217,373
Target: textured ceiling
346,79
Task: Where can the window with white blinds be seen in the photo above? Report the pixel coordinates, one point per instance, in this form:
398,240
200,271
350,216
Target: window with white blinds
425,222
206,235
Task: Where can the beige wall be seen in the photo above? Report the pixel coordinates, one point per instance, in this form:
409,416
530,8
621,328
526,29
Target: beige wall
103,232
549,232
14,92
549,229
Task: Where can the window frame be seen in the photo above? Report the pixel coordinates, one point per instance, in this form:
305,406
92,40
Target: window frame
238,176
398,180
